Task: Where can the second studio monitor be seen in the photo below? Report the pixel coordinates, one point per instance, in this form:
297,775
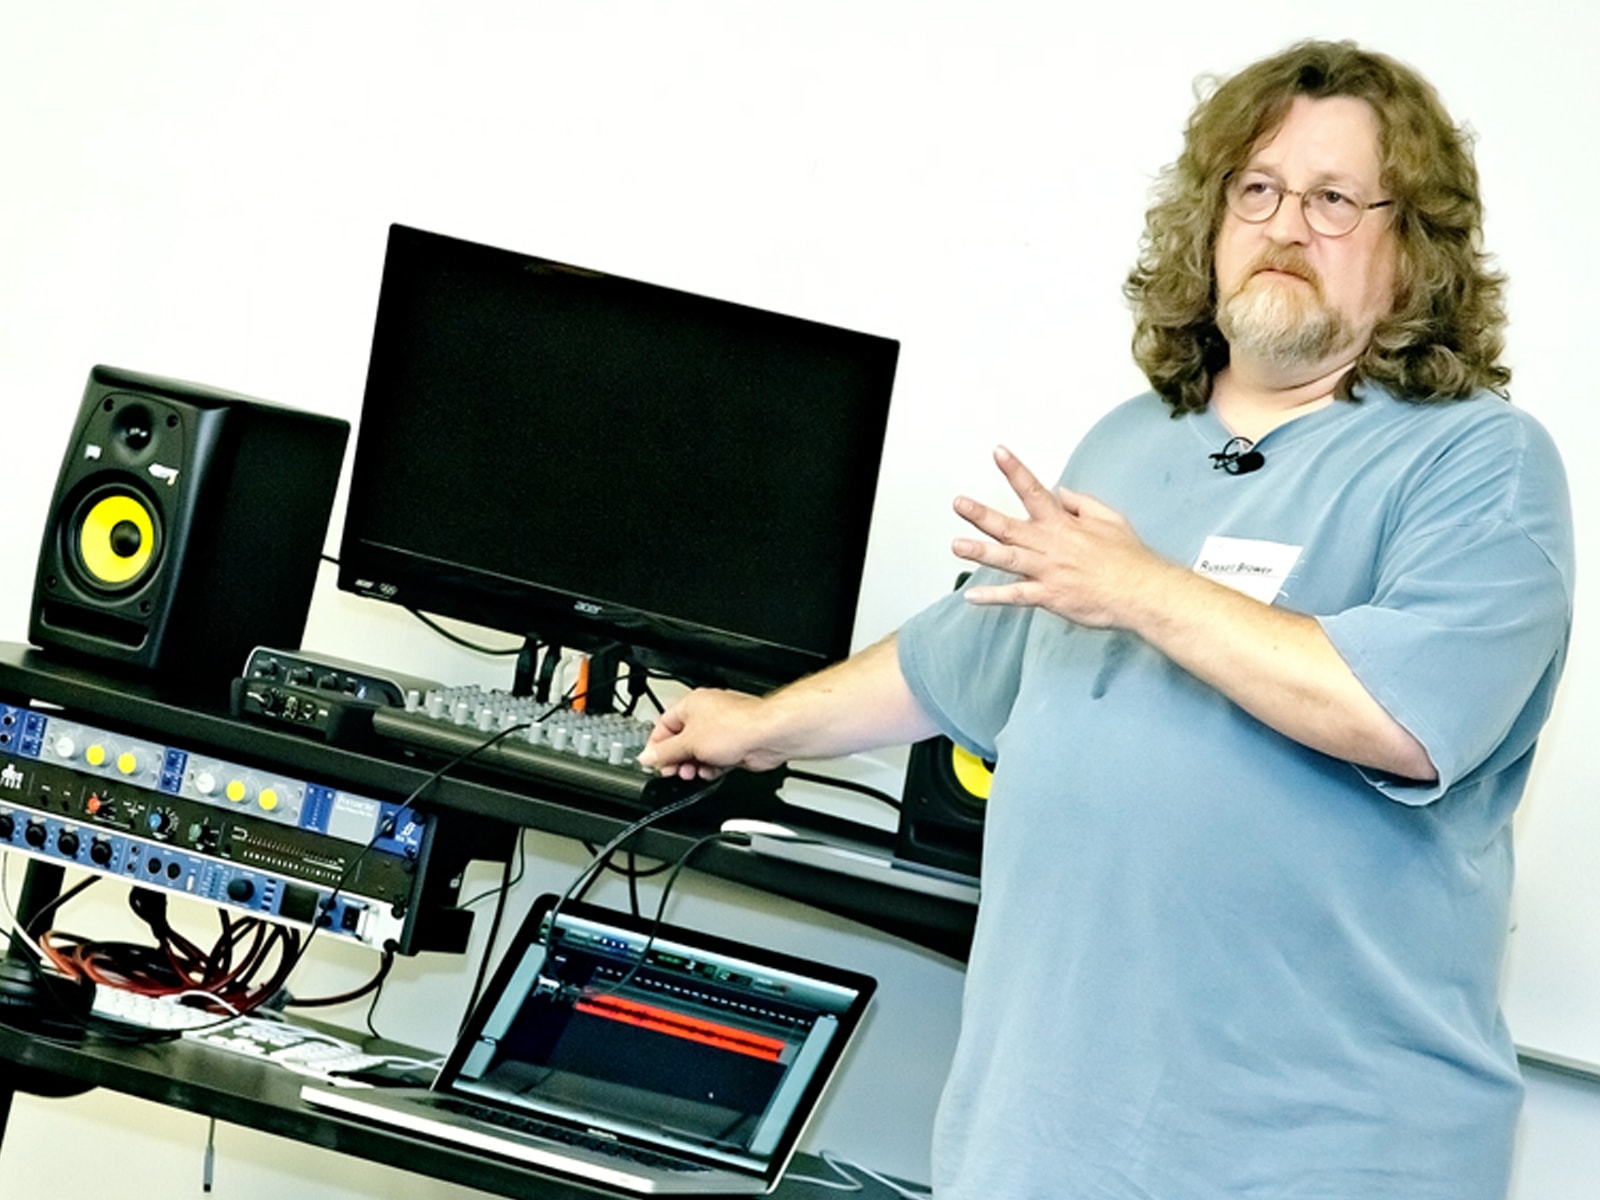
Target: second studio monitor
942,810
185,528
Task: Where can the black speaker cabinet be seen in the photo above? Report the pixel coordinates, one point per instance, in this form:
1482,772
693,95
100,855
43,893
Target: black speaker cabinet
186,527
941,813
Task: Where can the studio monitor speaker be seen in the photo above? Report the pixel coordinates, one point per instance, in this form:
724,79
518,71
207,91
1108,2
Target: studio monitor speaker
942,810
186,527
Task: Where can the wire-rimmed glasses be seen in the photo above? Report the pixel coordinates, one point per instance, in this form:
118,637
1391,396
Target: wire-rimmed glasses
1255,197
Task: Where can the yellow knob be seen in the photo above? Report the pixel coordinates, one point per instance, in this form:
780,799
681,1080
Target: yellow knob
95,755
236,790
268,799
127,762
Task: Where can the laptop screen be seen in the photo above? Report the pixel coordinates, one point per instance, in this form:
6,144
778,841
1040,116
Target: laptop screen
676,1038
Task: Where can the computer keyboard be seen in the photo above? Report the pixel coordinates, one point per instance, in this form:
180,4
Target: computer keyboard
568,1136
165,1013
591,754
295,1047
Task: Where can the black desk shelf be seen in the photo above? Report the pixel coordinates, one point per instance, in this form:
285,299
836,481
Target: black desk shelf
935,922
264,1097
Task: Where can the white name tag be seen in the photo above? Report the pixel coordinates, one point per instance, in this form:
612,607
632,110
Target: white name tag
1258,569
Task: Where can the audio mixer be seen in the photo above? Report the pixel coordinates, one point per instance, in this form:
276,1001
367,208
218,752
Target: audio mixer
191,823
592,755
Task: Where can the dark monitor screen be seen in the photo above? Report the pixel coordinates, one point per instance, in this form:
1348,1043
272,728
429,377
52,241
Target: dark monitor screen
607,464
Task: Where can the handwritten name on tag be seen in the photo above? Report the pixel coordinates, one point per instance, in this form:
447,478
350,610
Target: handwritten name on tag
1256,568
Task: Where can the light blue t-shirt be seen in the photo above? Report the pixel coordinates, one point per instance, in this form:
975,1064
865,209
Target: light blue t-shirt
1210,963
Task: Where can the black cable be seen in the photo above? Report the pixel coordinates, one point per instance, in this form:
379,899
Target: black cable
501,888
632,870
547,673
464,643
848,785
384,966
650,693
369,1018
488,945
661,908
385,829
585,878
65,1013
32,930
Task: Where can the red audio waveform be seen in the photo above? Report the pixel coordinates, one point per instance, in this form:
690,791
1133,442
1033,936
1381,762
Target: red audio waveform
661,1020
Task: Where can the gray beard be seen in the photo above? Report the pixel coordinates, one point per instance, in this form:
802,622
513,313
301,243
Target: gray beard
1272,326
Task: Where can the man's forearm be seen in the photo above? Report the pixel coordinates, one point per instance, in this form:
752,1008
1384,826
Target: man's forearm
863,703
1277,665
859,704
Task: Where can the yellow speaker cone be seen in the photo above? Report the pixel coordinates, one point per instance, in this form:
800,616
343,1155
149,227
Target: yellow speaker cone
116,539
971,771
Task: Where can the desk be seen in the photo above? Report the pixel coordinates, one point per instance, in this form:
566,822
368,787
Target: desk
241,1091
936,922
266,1098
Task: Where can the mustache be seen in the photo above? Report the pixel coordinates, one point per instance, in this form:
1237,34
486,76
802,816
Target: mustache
1290,262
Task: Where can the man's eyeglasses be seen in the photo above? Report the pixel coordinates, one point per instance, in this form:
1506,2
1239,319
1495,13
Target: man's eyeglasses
1330,211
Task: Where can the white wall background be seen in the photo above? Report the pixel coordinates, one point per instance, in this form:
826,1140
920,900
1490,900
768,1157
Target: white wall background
203,190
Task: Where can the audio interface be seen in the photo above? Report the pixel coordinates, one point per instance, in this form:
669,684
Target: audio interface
319,696
190,823
332,676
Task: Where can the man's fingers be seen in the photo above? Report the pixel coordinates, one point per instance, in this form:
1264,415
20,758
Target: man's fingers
985,520
1000,556
1018,592
1038,500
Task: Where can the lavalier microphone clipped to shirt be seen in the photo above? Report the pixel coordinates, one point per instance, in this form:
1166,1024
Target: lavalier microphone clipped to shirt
1238,457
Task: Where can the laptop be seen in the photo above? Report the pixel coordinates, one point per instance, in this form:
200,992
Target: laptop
649,1061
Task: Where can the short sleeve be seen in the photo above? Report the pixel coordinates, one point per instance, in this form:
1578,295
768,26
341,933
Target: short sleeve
963,663
1466,632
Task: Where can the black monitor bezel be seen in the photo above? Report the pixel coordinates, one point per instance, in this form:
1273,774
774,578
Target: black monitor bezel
696,651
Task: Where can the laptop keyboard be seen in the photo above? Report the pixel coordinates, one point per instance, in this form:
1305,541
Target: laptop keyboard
534,1127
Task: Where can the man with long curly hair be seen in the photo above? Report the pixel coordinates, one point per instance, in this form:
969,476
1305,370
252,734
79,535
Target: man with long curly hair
1263,677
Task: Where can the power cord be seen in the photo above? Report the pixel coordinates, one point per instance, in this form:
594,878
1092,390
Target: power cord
844,1181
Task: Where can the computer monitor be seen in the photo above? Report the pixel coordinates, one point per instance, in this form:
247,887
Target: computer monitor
614,466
